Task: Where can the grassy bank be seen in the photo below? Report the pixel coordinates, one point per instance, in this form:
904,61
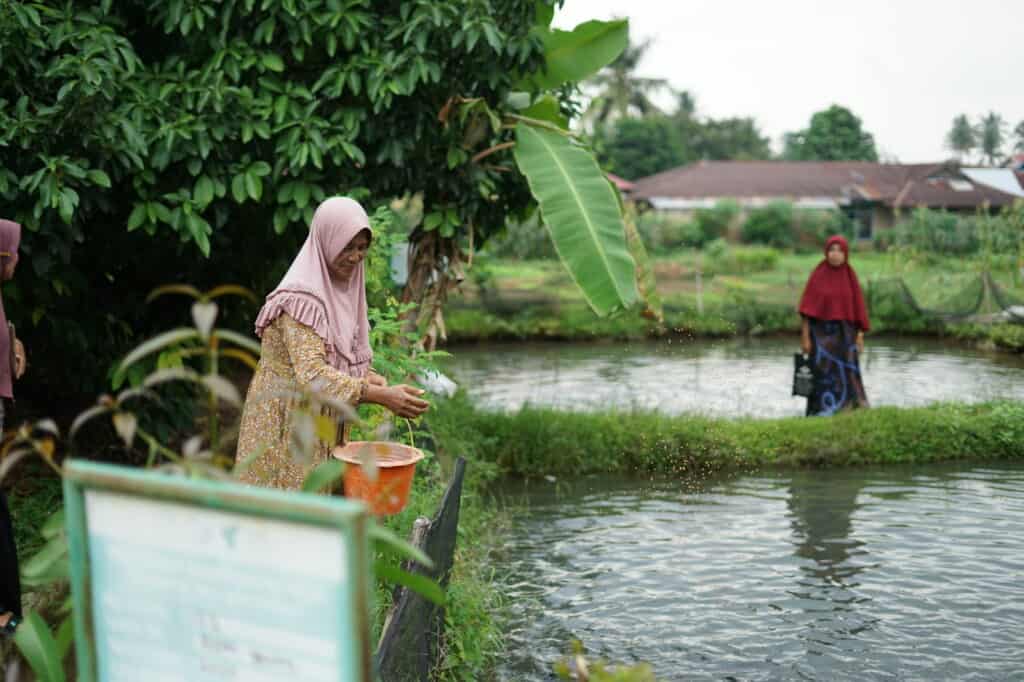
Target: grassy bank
516,300
537,442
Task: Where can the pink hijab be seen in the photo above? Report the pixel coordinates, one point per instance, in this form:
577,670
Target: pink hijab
10,239
335,311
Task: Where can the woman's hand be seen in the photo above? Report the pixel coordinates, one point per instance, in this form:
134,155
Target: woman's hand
403,401
20,360
860,343
376,379
805,345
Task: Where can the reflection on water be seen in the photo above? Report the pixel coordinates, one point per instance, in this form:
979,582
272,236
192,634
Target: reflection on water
722,378
896,573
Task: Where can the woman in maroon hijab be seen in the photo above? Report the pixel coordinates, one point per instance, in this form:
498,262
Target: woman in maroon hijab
10,587
832,333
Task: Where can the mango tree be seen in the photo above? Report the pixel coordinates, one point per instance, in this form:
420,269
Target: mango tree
152,141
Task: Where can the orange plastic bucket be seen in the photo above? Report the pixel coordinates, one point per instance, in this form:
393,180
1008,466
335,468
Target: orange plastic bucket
396,464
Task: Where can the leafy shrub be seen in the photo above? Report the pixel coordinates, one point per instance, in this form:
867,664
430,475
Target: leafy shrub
662,232
713,223
742,261
771,225
717,250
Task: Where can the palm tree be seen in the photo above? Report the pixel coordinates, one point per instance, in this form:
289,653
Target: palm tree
993,136
962,138
620,91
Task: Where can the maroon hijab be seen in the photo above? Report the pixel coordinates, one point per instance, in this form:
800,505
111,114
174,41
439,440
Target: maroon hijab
834,293
10,238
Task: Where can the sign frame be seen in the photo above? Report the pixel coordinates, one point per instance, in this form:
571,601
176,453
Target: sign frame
347,517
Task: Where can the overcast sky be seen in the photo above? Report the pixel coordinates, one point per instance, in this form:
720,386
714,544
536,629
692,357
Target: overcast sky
906,67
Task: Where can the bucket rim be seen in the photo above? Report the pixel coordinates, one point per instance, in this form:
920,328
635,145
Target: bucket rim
350,454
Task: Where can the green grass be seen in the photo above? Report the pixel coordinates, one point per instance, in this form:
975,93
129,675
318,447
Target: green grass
537,442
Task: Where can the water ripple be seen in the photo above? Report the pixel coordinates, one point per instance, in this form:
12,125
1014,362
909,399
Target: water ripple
908,574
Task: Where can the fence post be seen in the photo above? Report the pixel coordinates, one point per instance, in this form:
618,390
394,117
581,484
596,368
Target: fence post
700,283
410,641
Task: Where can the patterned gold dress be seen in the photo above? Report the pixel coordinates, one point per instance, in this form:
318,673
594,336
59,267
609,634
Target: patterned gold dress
292,354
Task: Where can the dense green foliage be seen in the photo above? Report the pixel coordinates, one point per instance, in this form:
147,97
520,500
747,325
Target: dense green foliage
536,442
145,142
771,224
835,134
638,147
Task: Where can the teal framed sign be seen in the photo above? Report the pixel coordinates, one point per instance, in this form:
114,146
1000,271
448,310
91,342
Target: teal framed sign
181,579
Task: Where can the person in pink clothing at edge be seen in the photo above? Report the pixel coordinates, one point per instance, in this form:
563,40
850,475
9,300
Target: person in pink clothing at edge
10,585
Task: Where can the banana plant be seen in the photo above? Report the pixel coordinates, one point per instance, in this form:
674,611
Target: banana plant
580,208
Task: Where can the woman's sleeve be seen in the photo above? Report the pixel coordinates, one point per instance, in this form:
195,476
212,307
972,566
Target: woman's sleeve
309,360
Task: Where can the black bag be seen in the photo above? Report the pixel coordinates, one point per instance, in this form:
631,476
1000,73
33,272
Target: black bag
803,375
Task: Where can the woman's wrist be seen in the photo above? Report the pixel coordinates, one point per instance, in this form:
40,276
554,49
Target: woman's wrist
375,395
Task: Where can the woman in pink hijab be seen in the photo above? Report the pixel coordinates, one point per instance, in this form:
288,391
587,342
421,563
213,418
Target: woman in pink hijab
315,333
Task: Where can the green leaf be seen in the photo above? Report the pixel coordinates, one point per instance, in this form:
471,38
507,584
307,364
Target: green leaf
301,194
65,636
174,289
582,214
67,206
137,217
158,343
323,476
203,193
98,177
433,220
576,55
547,109
36,643
491,34
253,185
239,340
260,169
389,542
272,62
41,562
419,584
545,13
238,189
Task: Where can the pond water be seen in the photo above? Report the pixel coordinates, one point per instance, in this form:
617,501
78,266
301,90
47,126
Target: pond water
895,573
720,378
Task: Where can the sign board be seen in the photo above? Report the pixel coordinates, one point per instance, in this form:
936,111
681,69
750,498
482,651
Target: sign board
180,579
